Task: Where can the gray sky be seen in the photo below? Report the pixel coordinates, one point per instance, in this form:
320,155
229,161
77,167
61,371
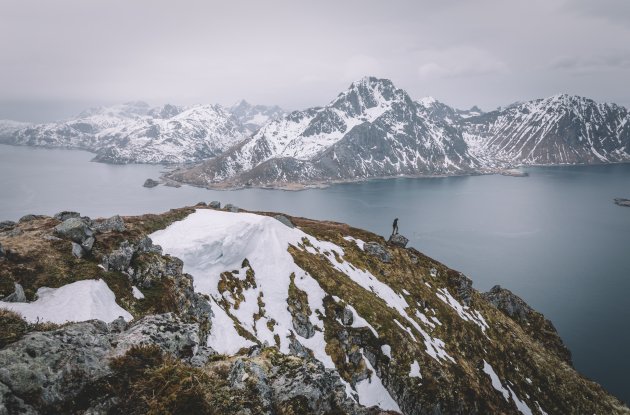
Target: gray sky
57,57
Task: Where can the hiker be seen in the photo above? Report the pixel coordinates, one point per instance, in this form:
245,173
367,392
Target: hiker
395,227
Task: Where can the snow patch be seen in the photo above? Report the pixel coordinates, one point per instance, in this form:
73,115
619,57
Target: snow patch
137,294
79,301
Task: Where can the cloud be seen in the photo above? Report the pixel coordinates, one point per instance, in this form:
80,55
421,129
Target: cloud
458,62
591,64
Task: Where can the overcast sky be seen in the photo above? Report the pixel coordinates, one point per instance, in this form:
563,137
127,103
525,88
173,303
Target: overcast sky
57,57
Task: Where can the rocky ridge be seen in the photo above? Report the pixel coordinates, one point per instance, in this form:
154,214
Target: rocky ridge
356,326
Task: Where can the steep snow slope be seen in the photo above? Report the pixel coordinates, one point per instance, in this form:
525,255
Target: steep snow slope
561,129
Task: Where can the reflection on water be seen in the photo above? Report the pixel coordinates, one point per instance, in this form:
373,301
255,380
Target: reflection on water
555,238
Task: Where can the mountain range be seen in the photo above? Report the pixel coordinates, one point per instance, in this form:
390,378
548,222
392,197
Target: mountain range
373,129
134,132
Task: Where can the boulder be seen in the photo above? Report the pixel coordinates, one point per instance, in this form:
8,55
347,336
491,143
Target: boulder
77,250
377,250
88,244
231,208
120,259
6,224
17,296
115,223
215,204
28,218
398,240
283,219
61,216
75,229
201,204
150,183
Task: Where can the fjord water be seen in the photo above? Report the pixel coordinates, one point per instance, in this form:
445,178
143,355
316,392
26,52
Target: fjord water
554,238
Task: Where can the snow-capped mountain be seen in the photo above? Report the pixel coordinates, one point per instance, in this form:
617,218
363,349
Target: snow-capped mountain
252,117
176,136
561,129
9,127
137,133
373,129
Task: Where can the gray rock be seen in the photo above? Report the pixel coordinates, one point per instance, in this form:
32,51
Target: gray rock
201,204
215,204
150,183
146,245
88,244
120,259
17,296
77,250
508,302
203,355
231,208
462,285
61,216
28,218
2,252
75,229
55,366
115,223
398,240
168,331
377,250
347,317
6,225
283,219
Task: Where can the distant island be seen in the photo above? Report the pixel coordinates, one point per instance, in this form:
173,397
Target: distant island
622,202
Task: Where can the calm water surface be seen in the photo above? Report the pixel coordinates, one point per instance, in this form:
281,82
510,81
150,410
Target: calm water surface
554,238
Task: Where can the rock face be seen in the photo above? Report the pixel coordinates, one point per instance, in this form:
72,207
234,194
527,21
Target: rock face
561,129
58,365
532,321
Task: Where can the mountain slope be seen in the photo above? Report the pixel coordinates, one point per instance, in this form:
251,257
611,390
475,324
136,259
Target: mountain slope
373,129
137,133
252,117
317,316
561,129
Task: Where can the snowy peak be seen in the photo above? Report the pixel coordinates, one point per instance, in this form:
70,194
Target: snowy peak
252,117
368,97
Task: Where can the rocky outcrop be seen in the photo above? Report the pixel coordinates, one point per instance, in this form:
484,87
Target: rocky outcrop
50,369
62,216
377,250
115,223
150,183
529,319
215,204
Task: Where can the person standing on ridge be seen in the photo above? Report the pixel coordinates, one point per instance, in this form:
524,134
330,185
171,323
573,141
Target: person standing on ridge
395,227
